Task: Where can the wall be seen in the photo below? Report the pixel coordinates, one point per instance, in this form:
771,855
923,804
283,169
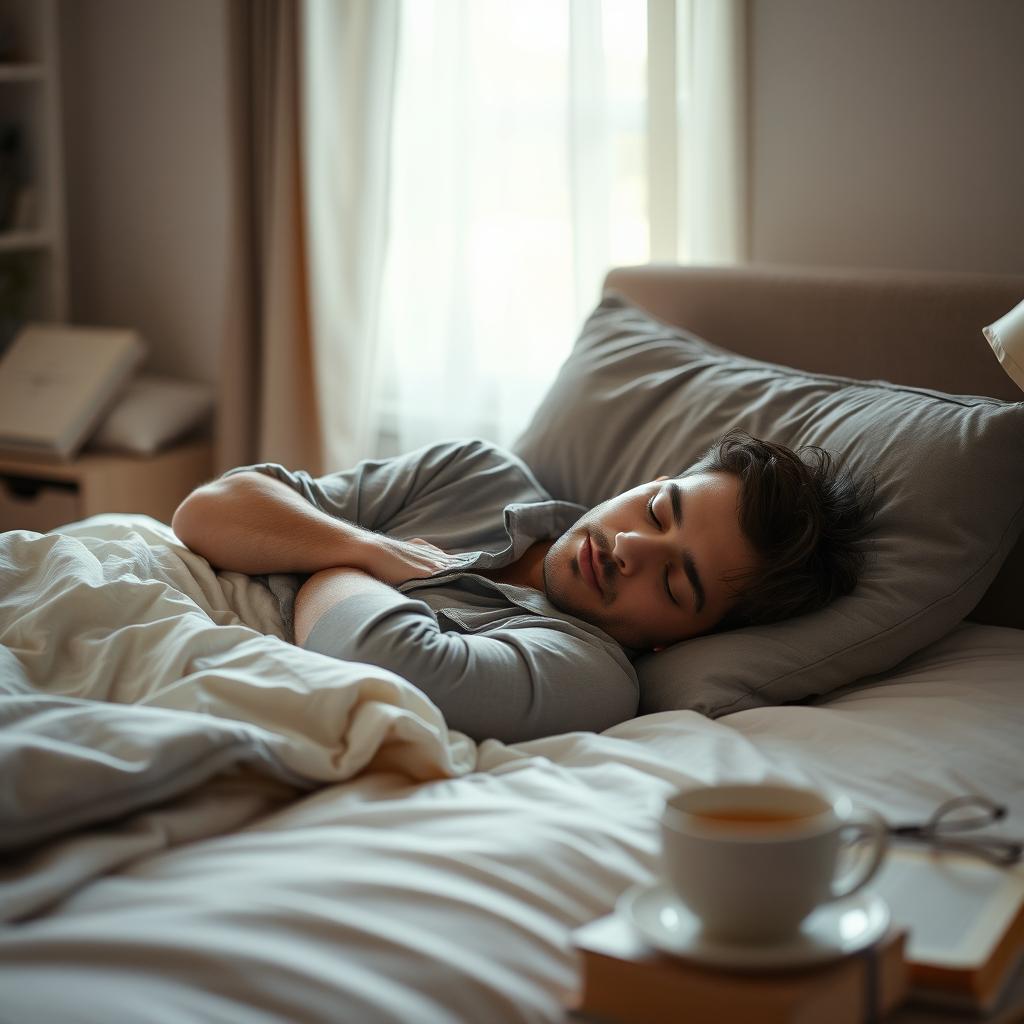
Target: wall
145,107
887,133
883,133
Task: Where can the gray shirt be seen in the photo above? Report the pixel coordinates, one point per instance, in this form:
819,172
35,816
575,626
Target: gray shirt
499,660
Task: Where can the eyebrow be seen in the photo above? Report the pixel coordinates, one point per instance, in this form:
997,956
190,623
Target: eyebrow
675,495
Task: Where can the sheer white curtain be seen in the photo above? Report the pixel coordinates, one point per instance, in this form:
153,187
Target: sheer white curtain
517,166
527,147
527,160
348,73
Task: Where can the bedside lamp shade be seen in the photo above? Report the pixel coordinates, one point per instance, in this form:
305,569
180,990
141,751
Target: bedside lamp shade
1006,336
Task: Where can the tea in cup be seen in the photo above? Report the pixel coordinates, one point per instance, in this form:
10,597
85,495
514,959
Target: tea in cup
753,861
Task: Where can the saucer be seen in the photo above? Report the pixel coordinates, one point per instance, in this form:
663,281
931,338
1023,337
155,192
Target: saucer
832,931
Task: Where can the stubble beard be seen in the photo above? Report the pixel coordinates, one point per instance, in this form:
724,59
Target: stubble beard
555,591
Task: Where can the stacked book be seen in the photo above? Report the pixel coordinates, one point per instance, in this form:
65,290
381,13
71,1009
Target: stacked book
956,941
57,381
626,981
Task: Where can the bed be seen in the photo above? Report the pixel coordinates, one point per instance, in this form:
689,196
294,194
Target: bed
241,831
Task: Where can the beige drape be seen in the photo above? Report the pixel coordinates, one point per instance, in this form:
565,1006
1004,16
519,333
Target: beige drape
267,405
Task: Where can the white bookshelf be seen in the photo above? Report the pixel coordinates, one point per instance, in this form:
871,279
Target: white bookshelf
33,246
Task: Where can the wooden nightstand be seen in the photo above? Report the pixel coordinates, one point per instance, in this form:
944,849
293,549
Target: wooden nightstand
42,495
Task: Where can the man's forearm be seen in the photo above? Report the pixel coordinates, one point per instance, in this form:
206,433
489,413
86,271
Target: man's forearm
254,524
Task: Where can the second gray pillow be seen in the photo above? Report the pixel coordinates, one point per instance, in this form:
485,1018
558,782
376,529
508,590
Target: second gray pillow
637,399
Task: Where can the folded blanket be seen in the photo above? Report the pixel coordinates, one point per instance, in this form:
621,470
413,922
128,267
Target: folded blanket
131,674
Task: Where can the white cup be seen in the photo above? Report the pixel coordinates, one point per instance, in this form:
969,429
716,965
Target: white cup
752,861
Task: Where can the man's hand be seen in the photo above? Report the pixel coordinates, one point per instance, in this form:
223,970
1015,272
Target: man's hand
394,561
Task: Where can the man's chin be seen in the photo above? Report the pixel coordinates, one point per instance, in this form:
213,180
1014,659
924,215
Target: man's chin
556,596
559,594
557,591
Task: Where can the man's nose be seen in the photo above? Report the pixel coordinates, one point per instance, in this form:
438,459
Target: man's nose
634,551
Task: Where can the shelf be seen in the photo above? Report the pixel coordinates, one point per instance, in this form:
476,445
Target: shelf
22,73
24,241
33,239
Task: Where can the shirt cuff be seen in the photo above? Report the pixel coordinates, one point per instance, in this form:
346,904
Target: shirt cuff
342,631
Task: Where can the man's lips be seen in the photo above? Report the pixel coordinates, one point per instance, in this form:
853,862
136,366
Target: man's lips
588,564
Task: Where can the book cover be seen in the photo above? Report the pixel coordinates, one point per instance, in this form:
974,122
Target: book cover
624,980
56,381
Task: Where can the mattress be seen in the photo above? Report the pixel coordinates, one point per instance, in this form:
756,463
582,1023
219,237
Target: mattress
381,897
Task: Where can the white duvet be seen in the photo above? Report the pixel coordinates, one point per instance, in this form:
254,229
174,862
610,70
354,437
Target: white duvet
133,675
382,898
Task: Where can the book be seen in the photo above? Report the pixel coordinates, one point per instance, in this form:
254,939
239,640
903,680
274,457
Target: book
626,981
966,923
57,381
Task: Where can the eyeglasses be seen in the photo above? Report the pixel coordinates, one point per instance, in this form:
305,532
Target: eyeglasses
944,829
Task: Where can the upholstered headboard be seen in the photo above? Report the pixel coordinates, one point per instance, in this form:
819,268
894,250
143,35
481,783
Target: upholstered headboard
917,329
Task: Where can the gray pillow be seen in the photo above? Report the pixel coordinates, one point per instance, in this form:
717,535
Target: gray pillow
636,399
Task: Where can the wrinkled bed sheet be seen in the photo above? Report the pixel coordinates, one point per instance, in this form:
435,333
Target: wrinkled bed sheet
133,676
453,899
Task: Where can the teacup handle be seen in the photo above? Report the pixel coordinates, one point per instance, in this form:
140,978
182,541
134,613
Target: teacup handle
869,824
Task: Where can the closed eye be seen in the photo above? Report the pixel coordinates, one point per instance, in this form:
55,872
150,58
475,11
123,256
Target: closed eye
650,511
668,589
657,523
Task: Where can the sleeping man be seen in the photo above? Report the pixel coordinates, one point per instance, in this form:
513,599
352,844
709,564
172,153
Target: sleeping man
517,614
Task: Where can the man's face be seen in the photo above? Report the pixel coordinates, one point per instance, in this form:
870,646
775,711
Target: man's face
650,566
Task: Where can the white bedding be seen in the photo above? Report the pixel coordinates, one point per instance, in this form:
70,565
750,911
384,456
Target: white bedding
386,899
134,678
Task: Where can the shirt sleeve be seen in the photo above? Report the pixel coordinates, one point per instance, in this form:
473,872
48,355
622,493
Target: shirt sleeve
516,683
378,493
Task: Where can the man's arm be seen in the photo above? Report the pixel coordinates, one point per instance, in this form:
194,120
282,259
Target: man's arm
514,683
263,518
322,591
252,523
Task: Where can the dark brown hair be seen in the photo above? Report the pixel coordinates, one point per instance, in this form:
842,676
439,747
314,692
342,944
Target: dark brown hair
806,516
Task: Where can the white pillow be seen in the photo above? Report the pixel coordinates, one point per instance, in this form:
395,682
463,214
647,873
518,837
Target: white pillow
1006,336
152,412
